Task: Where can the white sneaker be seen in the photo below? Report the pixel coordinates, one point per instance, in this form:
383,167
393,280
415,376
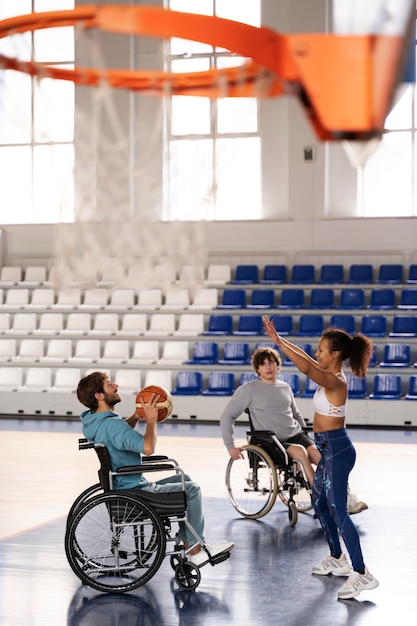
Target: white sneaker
356,583
201,558
355,505
331,565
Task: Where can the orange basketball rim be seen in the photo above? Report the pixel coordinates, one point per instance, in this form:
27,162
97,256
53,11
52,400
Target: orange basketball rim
344,82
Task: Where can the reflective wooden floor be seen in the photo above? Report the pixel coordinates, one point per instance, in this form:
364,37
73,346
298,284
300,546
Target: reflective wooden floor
268,578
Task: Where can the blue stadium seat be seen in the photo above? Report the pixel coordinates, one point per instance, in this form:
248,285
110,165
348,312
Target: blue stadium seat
220,325
374,325
390,273
246,274
292,379
310,325
303,274
362,273
235,353
396,355
356,386
408,299
249,325
310,389
412,274
303,346
204,353
283,324
404,326
220,384
266,344
291,299
321,299
386,387
188,384
343,321
262,299
382,299
374,360
412,389
331,274
274,274
247,377
233,299
353,298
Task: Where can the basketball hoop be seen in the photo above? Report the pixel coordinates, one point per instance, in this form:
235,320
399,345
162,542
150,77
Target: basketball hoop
345,82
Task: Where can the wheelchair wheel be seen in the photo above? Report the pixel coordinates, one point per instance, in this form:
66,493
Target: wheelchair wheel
187,575
252,483
298,494
115,542
292,513
81,499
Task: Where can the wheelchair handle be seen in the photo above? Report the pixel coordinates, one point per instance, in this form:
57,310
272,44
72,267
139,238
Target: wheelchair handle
84,445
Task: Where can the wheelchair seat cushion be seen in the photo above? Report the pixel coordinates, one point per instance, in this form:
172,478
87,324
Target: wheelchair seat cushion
167,503
270,448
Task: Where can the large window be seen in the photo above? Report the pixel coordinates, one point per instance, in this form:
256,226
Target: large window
212,147
387,182
36,124
213,170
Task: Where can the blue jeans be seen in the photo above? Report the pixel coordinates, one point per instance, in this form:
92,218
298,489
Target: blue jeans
330,491
194,503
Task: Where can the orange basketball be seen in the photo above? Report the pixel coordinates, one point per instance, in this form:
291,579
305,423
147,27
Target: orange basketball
164,402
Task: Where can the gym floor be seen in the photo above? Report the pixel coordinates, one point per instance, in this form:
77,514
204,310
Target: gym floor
267,579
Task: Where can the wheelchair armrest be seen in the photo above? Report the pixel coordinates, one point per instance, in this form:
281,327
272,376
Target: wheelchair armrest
150,467
157,458
270,437
260,433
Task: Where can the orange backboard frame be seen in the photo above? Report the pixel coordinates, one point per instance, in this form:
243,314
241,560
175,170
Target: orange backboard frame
344,82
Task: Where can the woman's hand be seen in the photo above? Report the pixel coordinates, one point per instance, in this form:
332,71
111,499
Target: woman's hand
269,328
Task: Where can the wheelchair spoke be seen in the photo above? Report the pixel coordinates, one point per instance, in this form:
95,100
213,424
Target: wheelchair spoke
252,483
296,492
82,499
115,543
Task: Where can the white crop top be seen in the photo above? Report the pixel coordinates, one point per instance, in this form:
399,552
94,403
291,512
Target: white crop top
324,407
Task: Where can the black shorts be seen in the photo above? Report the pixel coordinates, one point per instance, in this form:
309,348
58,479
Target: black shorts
277,456
302,439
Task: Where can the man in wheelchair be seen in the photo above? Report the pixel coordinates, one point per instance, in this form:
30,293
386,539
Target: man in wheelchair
272,407
101,424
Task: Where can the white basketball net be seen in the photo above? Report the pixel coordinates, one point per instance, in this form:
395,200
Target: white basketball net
118,192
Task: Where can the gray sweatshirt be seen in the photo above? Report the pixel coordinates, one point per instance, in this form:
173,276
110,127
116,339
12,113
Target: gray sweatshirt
271,406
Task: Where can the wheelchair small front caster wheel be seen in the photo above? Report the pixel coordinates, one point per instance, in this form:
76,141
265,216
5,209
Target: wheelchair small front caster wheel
175,561
292,513
187,575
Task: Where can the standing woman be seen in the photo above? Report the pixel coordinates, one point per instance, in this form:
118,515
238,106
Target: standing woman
338,455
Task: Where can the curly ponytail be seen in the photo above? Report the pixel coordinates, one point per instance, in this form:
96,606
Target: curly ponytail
357,349
360,355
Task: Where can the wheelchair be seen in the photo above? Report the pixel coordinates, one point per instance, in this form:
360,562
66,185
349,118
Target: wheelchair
266,472
116,539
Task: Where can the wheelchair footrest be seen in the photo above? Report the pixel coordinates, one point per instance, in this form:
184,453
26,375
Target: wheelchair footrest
219,558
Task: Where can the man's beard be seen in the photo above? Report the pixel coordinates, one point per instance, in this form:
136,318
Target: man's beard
111,401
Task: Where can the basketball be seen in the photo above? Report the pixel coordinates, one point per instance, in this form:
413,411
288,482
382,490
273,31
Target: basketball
164,402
